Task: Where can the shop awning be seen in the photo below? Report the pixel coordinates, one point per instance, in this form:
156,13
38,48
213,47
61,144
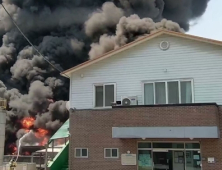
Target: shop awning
166,132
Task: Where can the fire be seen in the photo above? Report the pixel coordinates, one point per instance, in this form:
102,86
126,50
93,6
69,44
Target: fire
45,140
26,153
41,133
13,148
28,122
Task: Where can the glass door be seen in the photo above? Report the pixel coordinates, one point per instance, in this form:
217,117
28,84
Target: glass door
193,160
178,160
145,161
161,160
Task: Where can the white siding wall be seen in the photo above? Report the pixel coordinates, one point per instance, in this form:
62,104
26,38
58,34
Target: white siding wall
184,59
2,135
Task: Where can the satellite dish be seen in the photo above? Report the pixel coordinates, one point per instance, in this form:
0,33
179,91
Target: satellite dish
126,102
68,105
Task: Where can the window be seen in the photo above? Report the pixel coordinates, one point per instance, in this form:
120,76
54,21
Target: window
81,153
111,153
192,146
105,95
169,145
144,145
168,92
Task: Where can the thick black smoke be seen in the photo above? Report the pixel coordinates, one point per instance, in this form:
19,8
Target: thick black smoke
69,32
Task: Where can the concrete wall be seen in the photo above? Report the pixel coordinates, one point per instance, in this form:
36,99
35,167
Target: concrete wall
185,59
2,134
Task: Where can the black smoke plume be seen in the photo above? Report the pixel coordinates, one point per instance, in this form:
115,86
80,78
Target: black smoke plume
67,33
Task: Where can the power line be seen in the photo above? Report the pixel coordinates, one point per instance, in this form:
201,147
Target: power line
30,41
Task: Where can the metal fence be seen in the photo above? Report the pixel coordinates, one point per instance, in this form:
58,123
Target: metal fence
38,160
20,166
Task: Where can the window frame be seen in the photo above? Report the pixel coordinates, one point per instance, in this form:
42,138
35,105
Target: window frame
94,94
81,153
111,157
166,89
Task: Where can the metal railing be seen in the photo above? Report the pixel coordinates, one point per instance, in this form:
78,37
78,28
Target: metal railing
38,160
3,104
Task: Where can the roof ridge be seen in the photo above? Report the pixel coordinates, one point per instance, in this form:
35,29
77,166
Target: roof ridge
139,41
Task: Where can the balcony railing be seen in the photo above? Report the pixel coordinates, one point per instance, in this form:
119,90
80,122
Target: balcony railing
3,104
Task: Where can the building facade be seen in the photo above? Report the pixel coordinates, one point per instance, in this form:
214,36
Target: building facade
169,114
2,134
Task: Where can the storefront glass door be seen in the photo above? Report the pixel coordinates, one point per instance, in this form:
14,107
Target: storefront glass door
178,162
193,160
161,160
169,156
145,161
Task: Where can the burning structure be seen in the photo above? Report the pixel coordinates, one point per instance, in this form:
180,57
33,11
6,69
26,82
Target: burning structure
68,32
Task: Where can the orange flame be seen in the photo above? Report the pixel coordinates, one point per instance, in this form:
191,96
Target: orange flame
45,140
41,133
28,122
13,148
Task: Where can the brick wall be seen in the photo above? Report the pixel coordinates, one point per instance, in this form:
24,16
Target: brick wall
92,129
213,148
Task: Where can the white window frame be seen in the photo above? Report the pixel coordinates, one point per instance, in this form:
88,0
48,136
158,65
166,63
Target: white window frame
94,94
111,153
166,88
81,153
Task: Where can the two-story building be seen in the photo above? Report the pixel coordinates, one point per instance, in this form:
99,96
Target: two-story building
153,104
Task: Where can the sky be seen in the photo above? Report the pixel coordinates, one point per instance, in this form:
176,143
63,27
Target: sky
210,24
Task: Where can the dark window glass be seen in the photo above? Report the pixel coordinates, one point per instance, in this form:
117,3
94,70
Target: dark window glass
109,95
114,153
173,92
192,146
78,152
160,93
144,145
186,92
99,96
108,153
84,152
148,94
168,145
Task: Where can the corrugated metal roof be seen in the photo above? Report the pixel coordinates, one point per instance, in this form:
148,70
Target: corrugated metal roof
63,132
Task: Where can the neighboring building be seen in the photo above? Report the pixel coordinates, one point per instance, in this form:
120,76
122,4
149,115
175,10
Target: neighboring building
2,128
176,123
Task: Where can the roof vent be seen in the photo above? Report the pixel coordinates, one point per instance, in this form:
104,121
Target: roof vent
164,45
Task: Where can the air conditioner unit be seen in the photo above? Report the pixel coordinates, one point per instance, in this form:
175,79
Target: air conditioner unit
3,104
129,101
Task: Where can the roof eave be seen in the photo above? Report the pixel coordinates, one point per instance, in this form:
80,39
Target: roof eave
137,42
111,53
